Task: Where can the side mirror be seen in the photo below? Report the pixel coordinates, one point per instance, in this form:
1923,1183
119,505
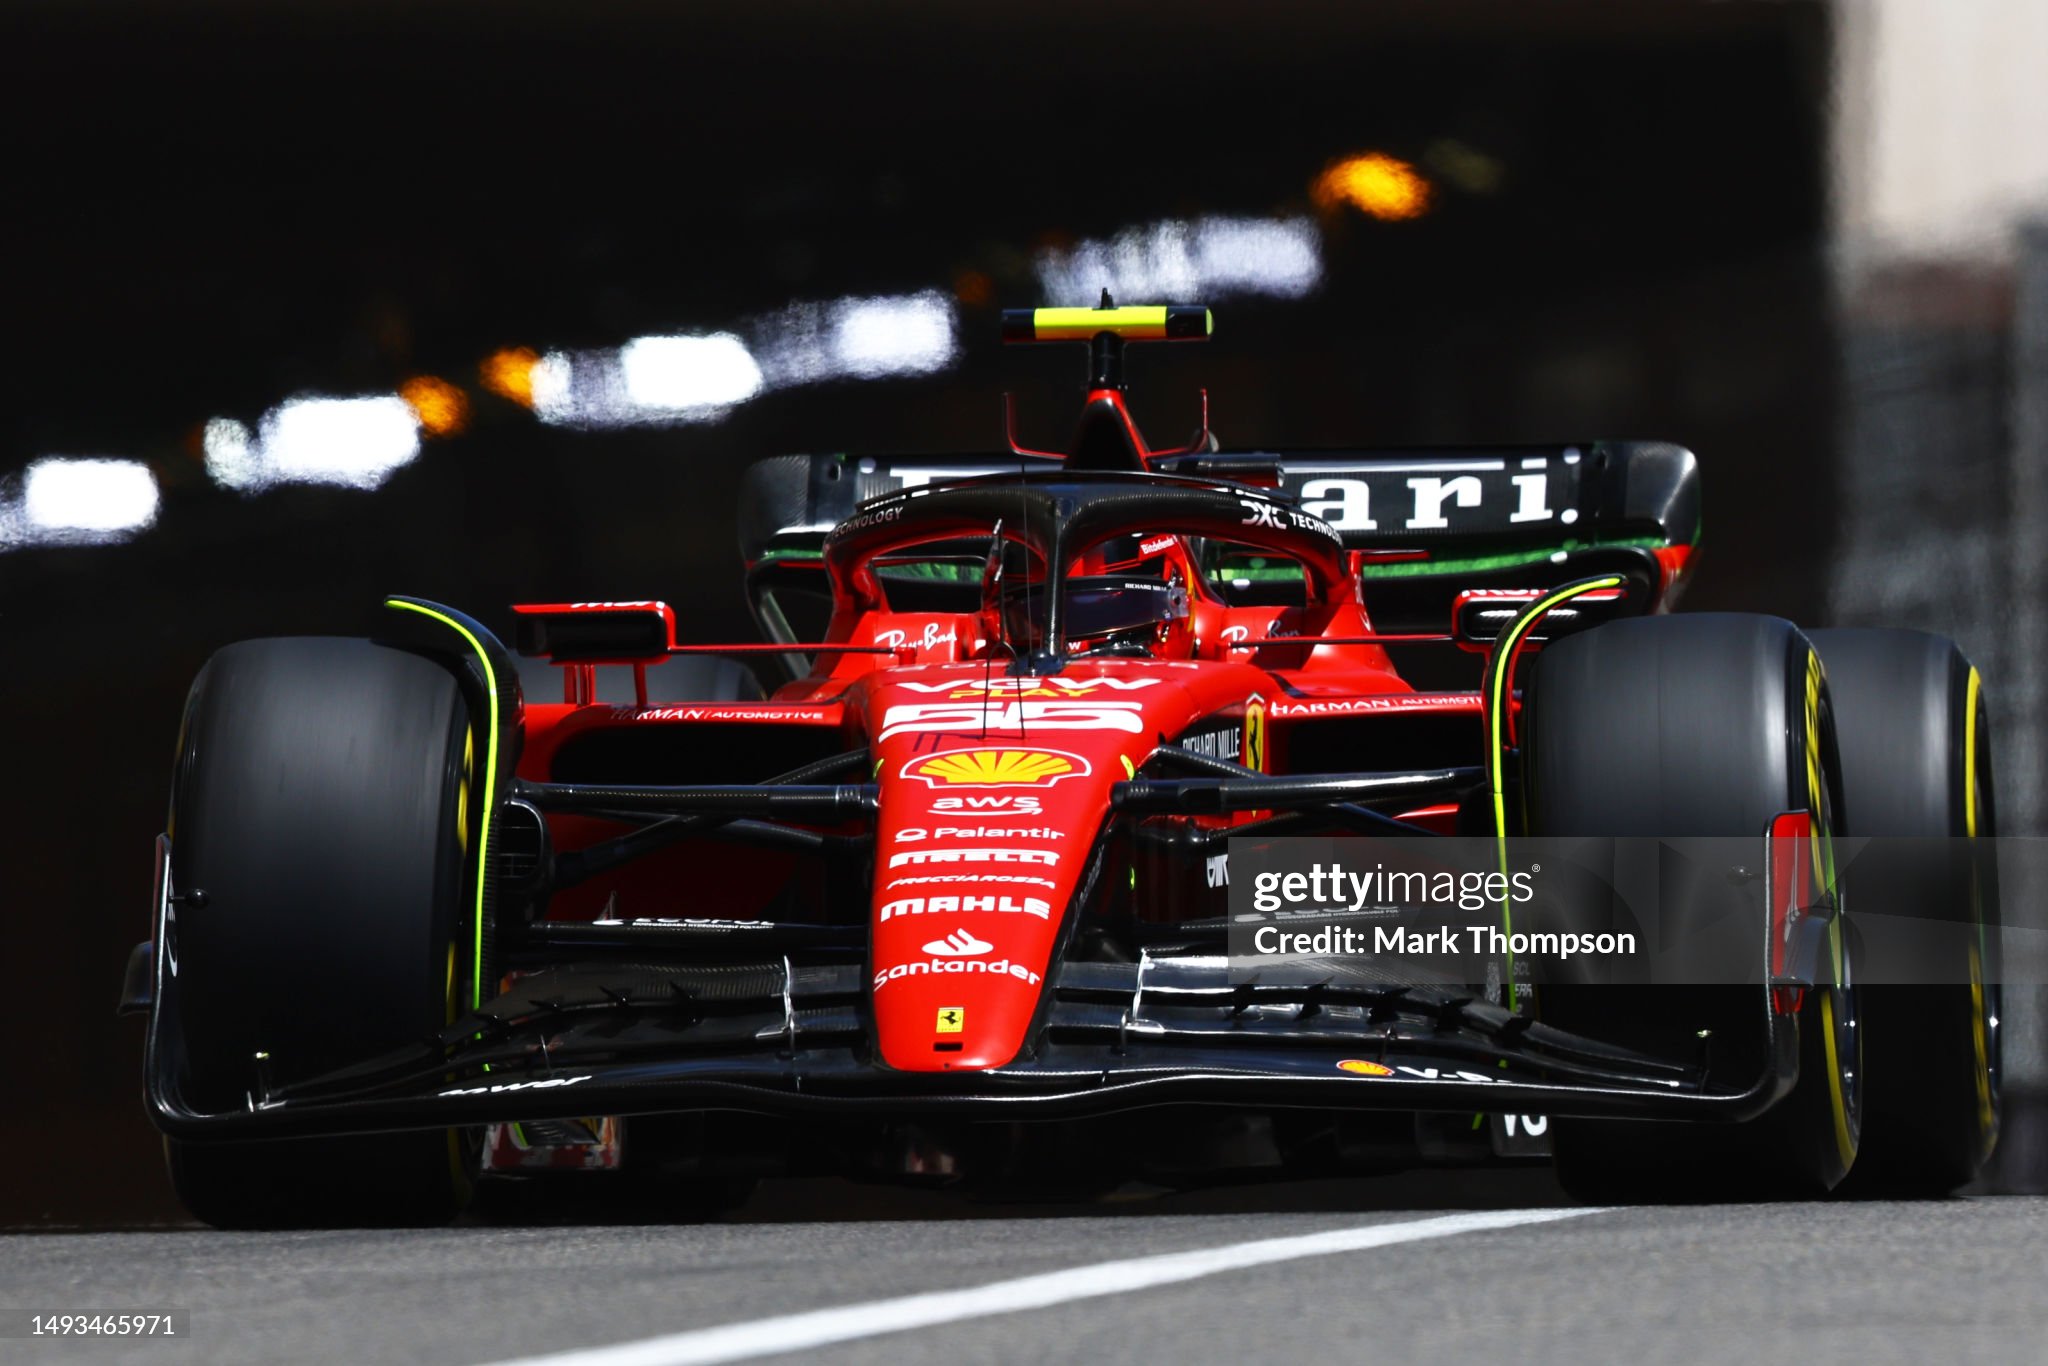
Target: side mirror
596,632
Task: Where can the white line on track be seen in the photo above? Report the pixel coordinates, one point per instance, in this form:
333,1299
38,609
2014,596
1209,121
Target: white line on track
821,1327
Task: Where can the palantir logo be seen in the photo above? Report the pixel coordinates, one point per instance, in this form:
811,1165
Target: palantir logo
958,944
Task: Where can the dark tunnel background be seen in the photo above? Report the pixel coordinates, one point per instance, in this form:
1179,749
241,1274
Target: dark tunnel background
213,208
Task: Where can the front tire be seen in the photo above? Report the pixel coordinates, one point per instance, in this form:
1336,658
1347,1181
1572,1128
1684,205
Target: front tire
322,812
1696,726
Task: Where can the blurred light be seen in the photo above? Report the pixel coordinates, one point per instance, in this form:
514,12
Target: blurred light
584,391
90,501
1177,261
351,442
663,381
1255,256
508,373
440,408
548,383
231,459
356,442
1381,186
688,374
904,336
858,338
649,382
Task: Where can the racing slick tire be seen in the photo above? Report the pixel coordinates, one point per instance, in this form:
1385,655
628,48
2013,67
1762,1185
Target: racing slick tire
1683,726
1916,763
321,815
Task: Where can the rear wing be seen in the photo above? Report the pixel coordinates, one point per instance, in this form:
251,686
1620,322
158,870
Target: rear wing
1434,521
1455,502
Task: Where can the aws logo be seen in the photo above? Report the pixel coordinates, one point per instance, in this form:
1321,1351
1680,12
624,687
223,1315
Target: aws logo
997,768
1022,803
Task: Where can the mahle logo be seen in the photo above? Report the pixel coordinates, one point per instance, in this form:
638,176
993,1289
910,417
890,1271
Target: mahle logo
997,768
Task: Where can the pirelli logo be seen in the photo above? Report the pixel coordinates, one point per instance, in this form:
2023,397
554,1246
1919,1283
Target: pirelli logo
1044,858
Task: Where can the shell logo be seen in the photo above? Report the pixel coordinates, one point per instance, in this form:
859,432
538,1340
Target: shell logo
997,768
1359,1067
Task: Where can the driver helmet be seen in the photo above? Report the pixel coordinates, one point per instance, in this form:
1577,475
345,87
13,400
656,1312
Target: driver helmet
1105,613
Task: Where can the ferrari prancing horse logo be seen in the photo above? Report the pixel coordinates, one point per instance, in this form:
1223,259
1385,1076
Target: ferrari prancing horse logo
952,1019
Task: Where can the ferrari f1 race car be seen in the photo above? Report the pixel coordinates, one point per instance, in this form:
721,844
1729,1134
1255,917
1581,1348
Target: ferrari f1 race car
956,900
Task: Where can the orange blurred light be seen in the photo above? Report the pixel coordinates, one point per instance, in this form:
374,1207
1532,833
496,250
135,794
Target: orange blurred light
443,409
1381,186
508,373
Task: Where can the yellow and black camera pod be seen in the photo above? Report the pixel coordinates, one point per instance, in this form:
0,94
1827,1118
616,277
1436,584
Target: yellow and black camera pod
1106,328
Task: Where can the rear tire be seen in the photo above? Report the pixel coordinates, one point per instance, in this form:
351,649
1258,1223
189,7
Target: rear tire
320,821
1676,727
1916,763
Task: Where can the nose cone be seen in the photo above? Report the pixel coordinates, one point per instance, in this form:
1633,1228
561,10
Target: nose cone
969,1004
992,792
979,850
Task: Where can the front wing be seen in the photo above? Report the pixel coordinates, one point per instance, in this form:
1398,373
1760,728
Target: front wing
613,1036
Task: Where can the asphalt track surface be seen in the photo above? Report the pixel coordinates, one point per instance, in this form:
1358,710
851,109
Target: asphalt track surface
1370,1273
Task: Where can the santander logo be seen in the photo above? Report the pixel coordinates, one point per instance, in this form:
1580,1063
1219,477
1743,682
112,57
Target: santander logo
958,944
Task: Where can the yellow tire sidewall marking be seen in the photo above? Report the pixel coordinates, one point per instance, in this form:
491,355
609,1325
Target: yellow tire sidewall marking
462,790
1823,854
1980,1030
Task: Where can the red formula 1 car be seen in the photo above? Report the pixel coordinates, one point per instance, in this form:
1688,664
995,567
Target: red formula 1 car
953,902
